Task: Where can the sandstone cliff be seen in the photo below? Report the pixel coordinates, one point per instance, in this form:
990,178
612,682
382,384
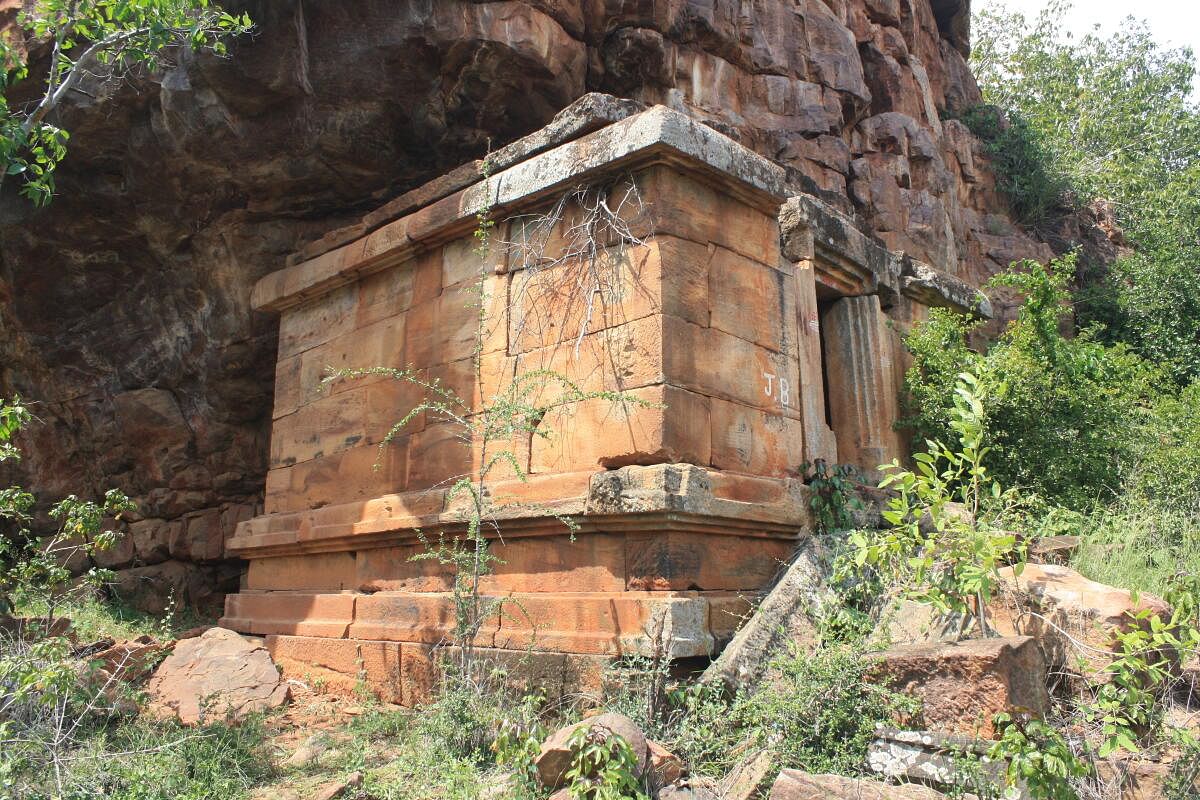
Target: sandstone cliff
124,307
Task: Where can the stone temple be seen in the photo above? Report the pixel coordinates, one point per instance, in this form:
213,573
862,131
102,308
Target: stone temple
746,327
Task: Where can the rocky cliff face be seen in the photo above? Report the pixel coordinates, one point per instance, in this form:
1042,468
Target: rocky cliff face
124,306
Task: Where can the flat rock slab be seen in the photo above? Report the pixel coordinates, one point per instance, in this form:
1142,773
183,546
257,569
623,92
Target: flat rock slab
795,785
784,618
963,685
1075,619
218,675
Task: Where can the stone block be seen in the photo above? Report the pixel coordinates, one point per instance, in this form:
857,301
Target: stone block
389,293
716,364
359,416
295,613
358,474
749,440
793,784
667,424
399,569
411,617
785,617
324,572
682,206
317,321
752,300
341,666
301,379
696,561
616,359
1059,607
963,685
557,304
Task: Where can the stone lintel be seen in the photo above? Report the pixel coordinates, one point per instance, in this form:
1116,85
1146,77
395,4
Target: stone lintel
932,287
653,499
655,136
849,262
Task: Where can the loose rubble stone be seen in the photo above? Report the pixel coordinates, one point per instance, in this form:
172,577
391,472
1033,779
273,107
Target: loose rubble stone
687,792
749,777
336,789
554,759
1074,618
795,785
132,661
931,759
963,685
312,749
785,617
218,675
1054,549
665,767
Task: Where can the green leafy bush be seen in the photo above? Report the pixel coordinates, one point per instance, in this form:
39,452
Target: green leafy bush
1109,118
1026,172
818,712
940,548
1063,411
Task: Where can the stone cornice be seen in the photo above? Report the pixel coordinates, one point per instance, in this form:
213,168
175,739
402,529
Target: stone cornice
655,136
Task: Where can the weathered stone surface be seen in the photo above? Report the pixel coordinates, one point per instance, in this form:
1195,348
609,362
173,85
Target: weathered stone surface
554,758
1074,618
796,785
750,777
1054,549
218,675
339,788
130,661
931,759
665,768
687,792
784,618
155,588
963,685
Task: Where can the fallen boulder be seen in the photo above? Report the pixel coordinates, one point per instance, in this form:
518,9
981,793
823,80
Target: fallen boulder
796,785
963,685
1075,619
554,759
218,675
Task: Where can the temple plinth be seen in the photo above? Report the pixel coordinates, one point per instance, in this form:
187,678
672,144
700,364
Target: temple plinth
746,327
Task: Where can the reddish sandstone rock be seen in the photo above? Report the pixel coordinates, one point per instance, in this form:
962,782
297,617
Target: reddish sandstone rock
666,768
131,661
218,675
796,785
962,686
1074,618
154,588
555,756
